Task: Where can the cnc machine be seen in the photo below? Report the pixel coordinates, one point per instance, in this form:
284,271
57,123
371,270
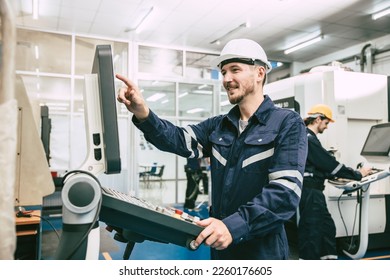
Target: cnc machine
359,101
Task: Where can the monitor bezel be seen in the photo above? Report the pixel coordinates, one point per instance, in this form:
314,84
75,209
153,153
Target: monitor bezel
103,67
364,152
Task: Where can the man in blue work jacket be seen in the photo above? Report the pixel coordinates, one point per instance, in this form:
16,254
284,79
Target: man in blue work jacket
257,156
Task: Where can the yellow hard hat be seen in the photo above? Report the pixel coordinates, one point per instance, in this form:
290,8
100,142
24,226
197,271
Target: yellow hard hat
321,109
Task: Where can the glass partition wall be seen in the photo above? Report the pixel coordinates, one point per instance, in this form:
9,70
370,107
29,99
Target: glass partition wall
178,85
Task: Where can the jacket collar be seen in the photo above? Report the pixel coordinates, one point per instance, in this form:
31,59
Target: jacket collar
262,113
310,132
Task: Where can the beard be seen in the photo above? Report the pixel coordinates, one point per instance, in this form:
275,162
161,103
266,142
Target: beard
239,95
321,130
236,99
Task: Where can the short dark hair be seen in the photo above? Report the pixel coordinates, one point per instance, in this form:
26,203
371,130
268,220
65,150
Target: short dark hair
310,120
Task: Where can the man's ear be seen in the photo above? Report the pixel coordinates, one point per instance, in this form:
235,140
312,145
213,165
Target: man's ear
261,72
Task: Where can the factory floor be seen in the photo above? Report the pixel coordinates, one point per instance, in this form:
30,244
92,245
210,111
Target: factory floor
111,249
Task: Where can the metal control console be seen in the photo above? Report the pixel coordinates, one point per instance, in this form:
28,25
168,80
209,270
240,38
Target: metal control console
148,221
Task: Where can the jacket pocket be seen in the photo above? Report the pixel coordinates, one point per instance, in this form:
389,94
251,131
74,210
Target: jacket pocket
259,149
221,145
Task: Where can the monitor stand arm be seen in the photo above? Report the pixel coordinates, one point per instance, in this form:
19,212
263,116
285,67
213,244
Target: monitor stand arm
81,196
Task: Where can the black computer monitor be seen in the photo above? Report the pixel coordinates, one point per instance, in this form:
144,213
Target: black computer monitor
103,67
45,131
378,141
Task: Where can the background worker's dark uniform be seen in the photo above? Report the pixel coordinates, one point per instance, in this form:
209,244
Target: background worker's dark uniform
204,165
317,230
194,175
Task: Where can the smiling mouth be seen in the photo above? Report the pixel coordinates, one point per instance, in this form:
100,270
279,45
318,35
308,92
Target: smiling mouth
230,88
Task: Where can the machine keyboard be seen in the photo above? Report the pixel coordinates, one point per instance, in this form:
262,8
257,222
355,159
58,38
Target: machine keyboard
152,222
169,211
128,198
351,185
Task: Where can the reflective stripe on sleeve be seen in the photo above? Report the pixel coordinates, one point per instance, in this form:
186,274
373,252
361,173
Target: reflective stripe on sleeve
189,135
285,173
290,185
338,167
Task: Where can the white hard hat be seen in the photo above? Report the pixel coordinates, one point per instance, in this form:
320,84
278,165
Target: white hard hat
242,48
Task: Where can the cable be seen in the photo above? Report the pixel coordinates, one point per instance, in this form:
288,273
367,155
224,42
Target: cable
47,221
353,228
359,198
345,226
80,171
341,214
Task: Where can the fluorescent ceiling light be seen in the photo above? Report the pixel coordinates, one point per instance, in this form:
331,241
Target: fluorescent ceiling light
183,94
155,97
380,14
304,44
200,91
195,110
141,24
231,32
165,101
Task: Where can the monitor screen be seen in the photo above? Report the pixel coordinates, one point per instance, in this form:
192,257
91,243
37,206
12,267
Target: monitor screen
103,67
378,141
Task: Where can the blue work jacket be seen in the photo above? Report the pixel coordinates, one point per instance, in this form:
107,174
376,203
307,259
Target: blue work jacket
256,175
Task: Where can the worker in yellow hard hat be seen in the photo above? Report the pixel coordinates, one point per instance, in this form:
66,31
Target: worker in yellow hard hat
316,229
